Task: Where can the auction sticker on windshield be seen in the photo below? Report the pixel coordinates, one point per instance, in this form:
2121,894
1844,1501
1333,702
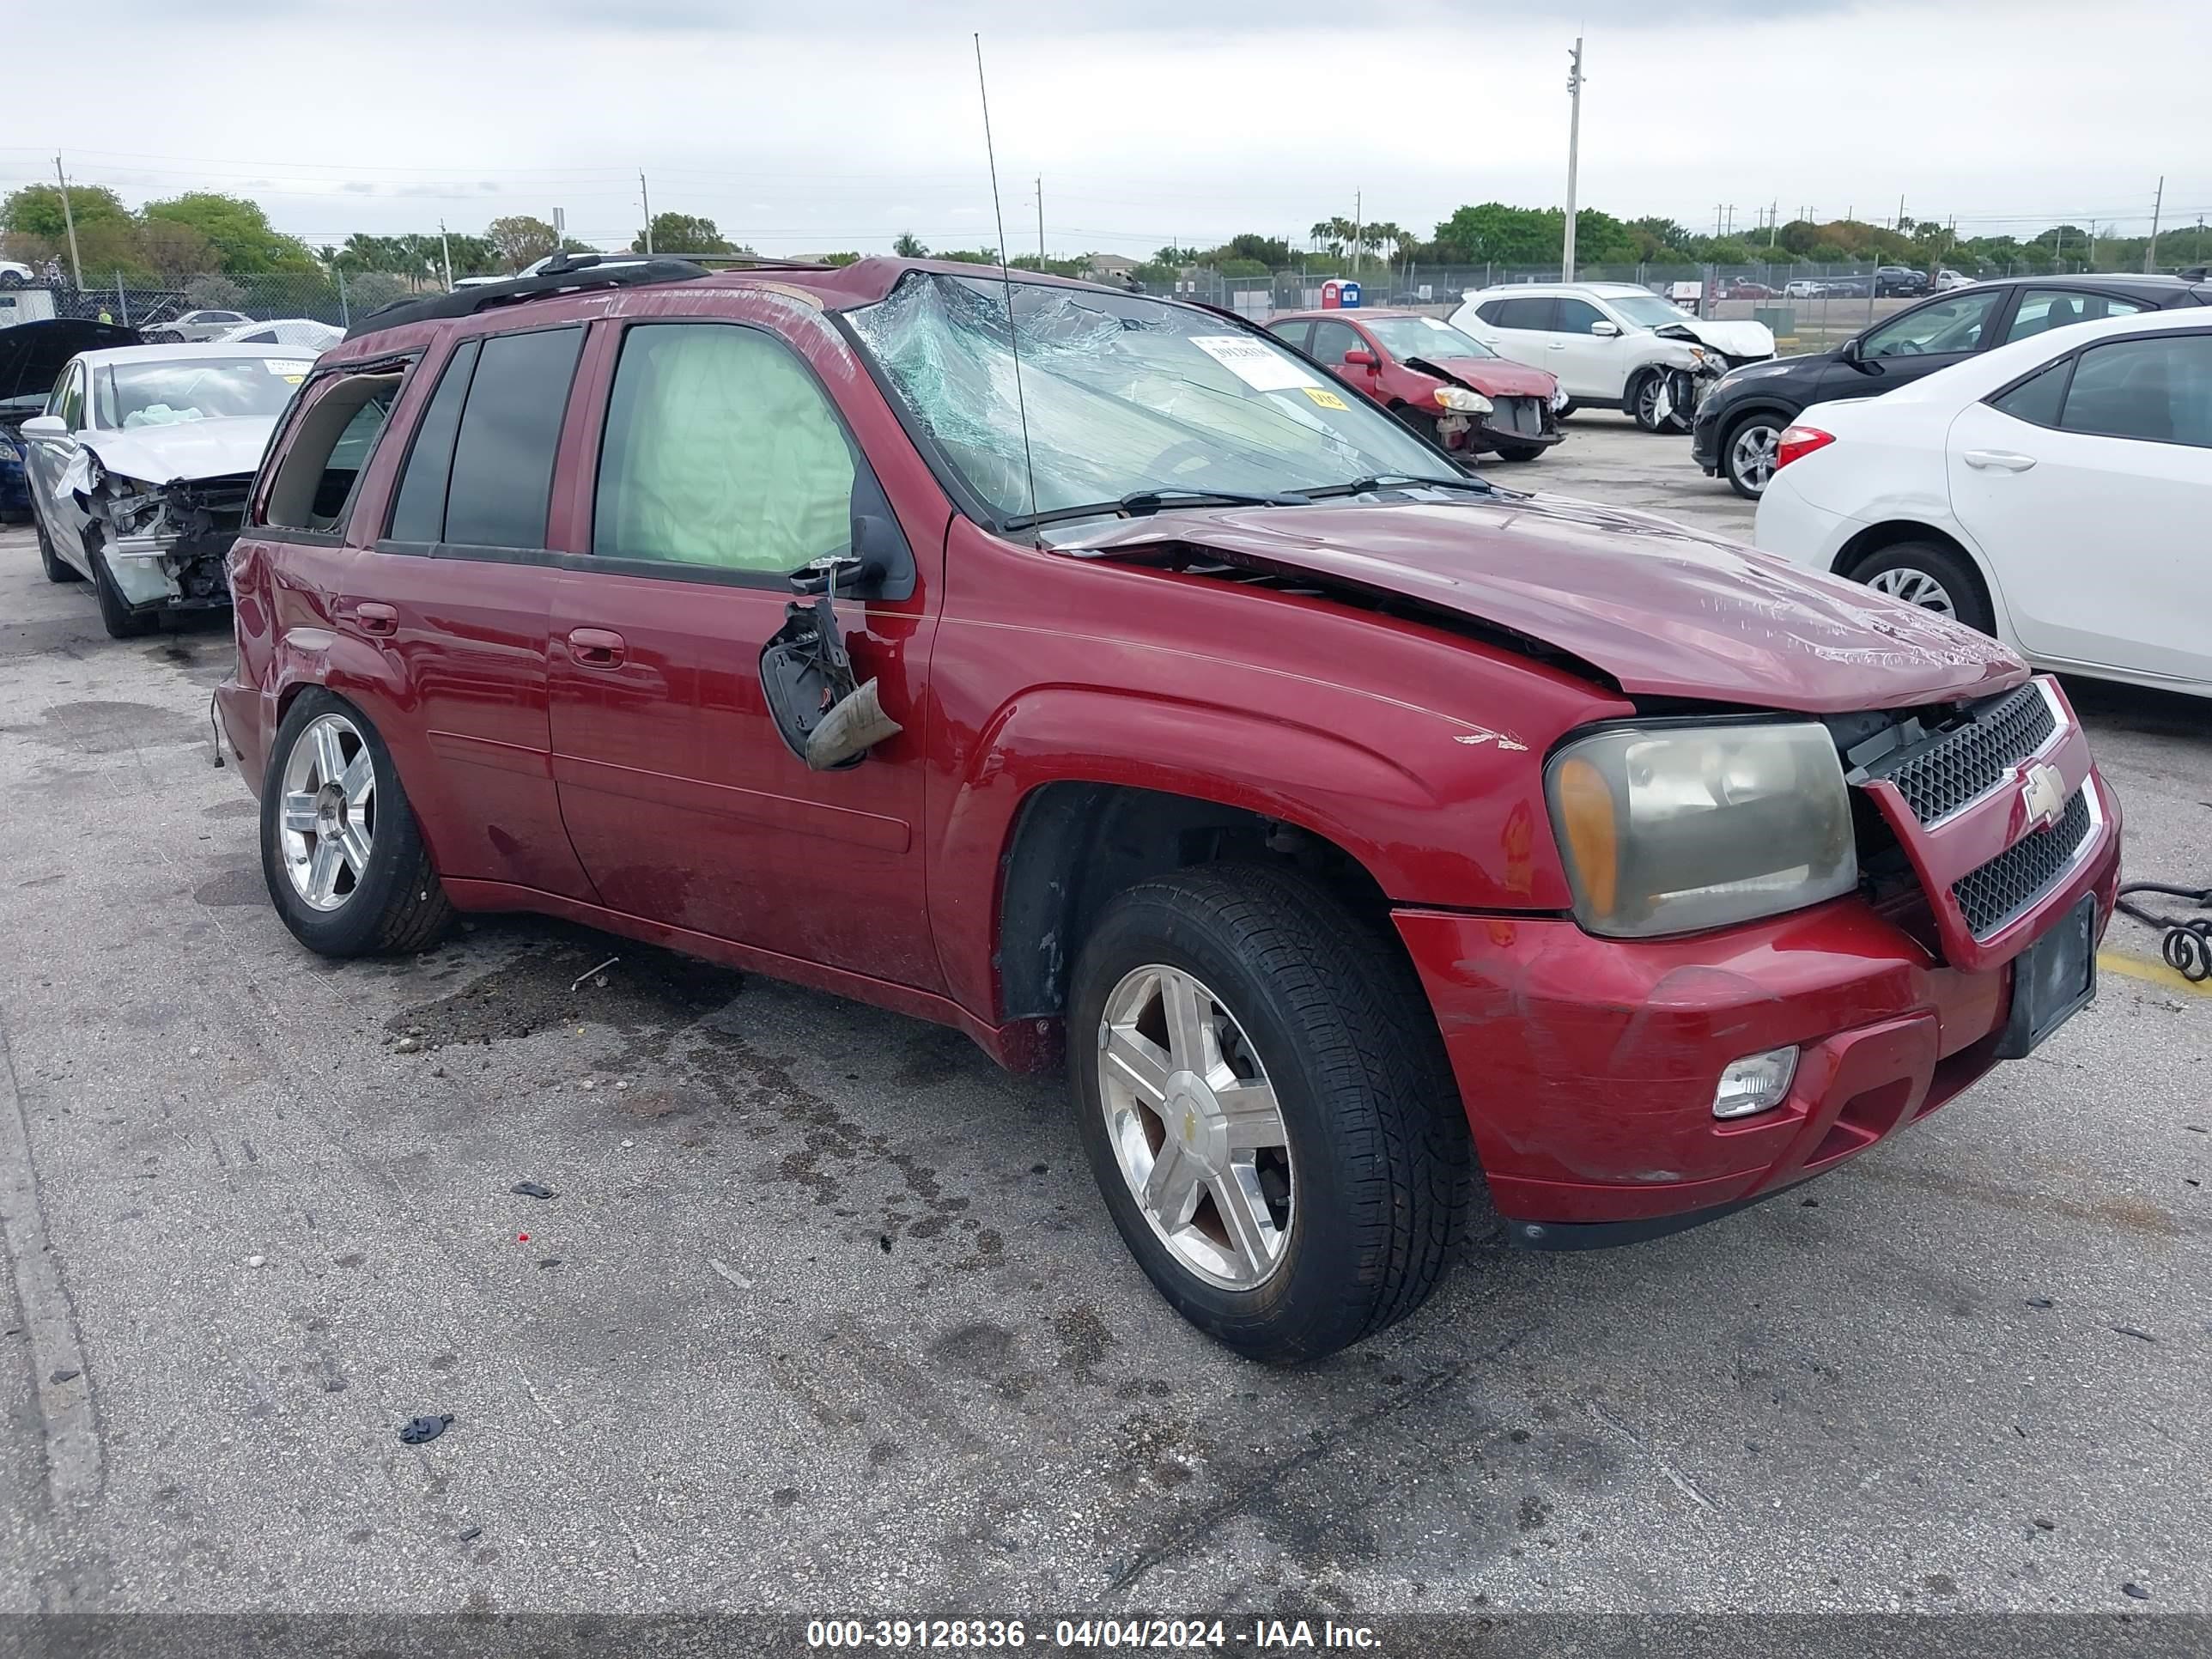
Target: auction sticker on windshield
1259,367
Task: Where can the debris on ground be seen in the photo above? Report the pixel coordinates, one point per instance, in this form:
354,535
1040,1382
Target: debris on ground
2130,1330
2040,1302
256,1260
530,1189
407,1045
730,1272
597,976
68,1375
470,1534
2136,1590
420,1428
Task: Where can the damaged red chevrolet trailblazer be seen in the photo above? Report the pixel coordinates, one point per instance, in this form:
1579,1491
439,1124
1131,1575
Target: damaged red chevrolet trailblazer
1376,845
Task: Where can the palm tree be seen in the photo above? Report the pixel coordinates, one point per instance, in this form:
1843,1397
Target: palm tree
910,246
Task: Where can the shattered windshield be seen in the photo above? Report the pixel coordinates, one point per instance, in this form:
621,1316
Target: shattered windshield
1123,395
195,389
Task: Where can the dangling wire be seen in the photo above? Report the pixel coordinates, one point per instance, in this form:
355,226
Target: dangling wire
2185,942
1007,275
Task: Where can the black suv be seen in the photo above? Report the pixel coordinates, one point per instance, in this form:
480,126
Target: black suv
1740,419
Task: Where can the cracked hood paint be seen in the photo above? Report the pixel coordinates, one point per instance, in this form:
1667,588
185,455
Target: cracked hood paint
183,450
1664,610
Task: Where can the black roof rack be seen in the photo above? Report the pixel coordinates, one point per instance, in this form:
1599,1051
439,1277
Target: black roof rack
571,275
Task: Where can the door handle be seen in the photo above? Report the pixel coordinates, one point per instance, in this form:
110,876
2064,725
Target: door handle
595,647
1556,345
375,618
1997,460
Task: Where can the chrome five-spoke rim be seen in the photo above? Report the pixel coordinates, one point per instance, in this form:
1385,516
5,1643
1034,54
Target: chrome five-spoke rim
1915,588
1195,1128
328,812
1753,456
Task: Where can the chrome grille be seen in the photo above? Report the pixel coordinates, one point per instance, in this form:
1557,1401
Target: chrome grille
1991,895
1938,778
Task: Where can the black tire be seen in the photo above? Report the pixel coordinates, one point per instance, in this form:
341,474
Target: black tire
1950,570
1519,452
397,905
1378,1137
1749,485
1564,410
49,560
1640,399
1420,423
115,615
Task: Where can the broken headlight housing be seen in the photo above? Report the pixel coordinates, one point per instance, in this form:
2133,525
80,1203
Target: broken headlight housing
1676,829
1462,401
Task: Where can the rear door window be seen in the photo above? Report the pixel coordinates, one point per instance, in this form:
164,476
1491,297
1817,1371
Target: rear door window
502,470
2042,309
419,513
1534,314
2159,390
329,448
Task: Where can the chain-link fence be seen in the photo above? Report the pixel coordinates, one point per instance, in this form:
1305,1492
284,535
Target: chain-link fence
336,296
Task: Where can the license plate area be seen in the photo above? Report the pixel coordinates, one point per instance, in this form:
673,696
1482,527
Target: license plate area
2052,980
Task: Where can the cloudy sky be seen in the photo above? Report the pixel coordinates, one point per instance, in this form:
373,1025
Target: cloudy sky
1149,120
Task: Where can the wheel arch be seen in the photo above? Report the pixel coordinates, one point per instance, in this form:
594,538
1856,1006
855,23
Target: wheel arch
1075,843
1889,533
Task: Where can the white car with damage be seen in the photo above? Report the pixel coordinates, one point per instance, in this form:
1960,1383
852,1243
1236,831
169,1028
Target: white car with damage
141,465
1612,345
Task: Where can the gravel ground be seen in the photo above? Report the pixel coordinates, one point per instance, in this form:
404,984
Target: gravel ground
824,1312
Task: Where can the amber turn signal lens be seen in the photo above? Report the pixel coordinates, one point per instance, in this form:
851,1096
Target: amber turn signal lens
1586,811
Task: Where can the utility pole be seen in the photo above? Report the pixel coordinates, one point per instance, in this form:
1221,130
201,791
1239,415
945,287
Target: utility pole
646,200
2150,252
1574,156
76,270
1774,220
559,230
1040,224
1899,226
1358,226
446,248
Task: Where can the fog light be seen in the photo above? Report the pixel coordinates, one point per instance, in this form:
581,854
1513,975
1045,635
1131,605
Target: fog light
1755,1083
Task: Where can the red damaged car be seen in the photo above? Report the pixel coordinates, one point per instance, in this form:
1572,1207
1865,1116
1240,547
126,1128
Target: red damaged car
1446,385
1373,846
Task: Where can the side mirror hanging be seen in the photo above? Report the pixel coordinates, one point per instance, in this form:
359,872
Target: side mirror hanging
823,715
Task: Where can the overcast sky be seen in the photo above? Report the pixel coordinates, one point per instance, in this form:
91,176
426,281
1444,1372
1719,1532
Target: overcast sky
1149,120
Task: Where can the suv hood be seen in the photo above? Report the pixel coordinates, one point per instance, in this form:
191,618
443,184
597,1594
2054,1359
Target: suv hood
1663,611
1493,377
1737,339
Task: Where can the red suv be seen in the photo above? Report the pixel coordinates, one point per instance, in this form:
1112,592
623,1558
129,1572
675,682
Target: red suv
1082,670
1446,385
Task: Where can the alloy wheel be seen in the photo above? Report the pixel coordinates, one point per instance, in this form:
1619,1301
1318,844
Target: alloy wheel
1195,1128
1751,455
1915,588
327,819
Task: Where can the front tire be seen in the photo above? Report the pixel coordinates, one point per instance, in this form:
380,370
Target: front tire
1267,1106
1642,401
49,561
115,615
1519,452
340,853
1932,576
1747,453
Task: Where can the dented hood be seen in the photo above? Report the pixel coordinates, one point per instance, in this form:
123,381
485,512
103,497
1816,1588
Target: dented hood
1493,377
1736,339
1663,611
183,449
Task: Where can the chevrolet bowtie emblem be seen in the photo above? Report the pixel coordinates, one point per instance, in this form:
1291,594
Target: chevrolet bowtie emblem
2042,792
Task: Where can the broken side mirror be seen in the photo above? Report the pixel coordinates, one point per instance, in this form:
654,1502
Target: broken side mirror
824,714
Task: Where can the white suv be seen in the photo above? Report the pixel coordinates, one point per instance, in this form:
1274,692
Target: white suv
1609,344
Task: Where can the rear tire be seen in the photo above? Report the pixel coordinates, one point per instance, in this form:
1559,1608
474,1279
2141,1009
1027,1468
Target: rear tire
1296,996
121,622
382,895
1932,576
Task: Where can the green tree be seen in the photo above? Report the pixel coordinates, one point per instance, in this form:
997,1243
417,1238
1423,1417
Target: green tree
36,210
910,246
519,240
678,233
1494,232
1171,255
245,241
173,251
841,258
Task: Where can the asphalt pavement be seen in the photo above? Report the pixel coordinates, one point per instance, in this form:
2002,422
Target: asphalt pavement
823,1312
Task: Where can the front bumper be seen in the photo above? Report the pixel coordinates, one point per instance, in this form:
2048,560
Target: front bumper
1587,1067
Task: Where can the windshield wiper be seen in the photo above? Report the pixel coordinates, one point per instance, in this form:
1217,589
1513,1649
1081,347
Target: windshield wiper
1391,480
1138,502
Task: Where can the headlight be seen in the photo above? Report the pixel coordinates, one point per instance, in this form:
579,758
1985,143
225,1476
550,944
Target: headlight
1677,829
1459,399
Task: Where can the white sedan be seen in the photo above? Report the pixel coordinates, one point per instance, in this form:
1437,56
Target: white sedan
2054,492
